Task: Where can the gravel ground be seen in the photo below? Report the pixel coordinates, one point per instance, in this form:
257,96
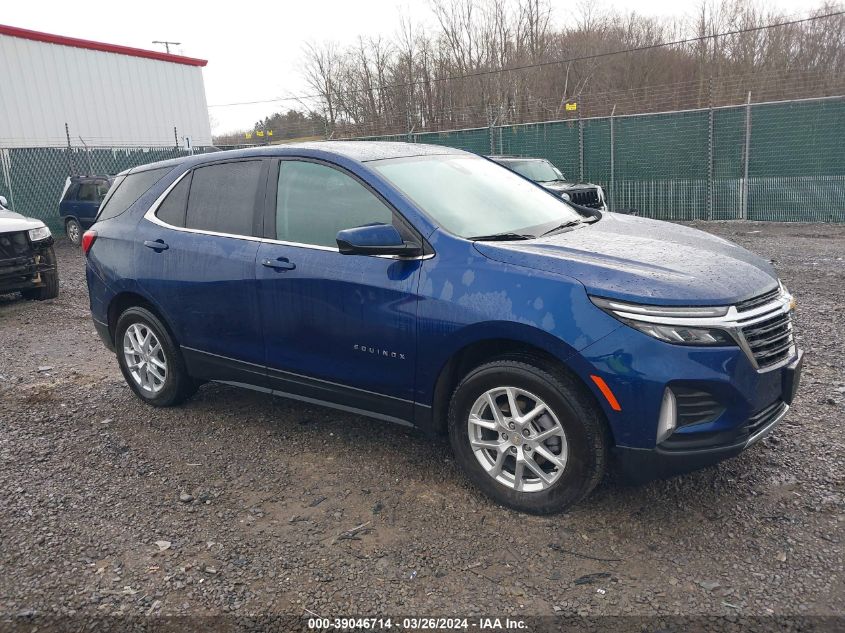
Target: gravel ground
234,503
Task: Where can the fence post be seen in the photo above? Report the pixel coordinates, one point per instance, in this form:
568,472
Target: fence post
613,157
711,185
744,207
490,122
580,148
70,169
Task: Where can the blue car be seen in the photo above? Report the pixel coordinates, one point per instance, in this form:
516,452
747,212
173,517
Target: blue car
431,287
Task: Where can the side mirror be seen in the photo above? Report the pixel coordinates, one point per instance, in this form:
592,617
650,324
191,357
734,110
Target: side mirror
3,201
375,239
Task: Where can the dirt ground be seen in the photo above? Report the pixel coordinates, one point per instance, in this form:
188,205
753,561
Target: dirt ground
234,503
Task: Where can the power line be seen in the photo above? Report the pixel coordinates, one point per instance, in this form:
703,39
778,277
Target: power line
482,73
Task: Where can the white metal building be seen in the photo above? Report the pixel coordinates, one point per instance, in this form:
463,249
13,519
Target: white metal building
108,95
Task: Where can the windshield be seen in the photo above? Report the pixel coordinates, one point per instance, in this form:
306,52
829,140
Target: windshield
536,170
471,196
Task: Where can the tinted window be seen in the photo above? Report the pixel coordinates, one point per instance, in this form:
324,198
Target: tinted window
127,189
222,197
88,192
71,192
172,208
314,202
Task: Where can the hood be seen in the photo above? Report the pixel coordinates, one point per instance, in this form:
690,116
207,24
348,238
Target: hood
644,261
11,222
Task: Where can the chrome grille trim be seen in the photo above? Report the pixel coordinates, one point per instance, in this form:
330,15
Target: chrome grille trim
762,329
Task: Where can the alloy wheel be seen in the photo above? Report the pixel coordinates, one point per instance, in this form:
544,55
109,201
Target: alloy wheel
517,439
144,356
73,232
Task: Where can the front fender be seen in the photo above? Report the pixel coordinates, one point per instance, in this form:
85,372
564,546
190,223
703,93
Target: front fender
466,297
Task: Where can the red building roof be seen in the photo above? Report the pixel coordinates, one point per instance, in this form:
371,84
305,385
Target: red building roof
49,38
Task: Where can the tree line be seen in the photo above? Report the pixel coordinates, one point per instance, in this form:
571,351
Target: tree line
498,62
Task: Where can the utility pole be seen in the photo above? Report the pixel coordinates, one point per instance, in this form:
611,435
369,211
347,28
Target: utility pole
167,44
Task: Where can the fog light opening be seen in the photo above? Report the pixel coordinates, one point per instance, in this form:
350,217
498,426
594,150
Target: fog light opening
667,422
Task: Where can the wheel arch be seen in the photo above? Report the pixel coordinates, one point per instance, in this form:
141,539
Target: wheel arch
129,299
549,354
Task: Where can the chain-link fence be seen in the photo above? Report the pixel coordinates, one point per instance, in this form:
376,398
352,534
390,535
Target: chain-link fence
32,178
781,161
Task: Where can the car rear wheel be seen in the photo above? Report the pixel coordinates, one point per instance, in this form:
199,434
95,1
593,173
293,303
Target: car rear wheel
74,232
150,361
527,436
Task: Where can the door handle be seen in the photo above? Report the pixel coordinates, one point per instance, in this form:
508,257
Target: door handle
282,263
157,245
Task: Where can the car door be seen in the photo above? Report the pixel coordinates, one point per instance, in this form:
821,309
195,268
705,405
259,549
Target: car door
338,329
88,202
196,257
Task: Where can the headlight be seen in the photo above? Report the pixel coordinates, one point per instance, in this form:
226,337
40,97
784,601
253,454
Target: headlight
678,325
36,235
565,196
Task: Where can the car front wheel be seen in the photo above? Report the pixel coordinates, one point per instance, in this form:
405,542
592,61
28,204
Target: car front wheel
149,359
527,436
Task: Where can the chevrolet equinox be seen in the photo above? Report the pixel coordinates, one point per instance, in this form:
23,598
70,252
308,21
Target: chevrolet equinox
432,287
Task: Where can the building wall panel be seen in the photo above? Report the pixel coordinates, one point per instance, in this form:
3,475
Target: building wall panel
107,99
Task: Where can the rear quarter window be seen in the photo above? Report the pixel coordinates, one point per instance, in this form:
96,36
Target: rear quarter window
127,189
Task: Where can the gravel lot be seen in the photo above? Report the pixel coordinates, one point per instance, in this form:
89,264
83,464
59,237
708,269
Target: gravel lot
234,502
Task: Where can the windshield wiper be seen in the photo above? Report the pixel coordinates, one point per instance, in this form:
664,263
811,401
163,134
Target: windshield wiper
502,237
565,225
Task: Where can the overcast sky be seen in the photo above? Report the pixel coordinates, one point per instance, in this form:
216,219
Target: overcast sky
254,49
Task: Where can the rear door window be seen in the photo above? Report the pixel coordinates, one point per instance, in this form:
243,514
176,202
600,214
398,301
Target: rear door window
223,197
88,192
127,189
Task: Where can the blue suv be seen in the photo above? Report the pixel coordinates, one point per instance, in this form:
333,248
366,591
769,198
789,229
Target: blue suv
431,287
80,202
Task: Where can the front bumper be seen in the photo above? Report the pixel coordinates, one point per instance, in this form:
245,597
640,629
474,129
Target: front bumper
639,465
741,404
25,271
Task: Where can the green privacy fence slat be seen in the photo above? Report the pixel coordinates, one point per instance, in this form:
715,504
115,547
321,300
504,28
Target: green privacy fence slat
32,178
662,163
557,142
691,165
476,141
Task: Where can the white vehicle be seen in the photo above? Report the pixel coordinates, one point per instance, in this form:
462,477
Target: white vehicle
27,259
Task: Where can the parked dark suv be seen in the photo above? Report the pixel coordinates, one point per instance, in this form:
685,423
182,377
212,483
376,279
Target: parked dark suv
434,288
80,202
544,173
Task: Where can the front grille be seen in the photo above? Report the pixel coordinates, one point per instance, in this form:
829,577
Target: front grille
585,198
14,245
695,407
770,341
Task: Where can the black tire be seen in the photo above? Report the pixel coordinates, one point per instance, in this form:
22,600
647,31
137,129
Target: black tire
73,230
578,414
177,386
49,280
